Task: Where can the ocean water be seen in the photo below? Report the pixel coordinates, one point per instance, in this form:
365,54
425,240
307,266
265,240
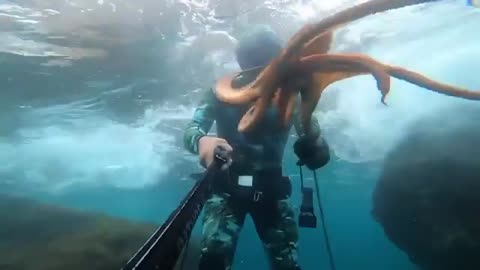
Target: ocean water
95,95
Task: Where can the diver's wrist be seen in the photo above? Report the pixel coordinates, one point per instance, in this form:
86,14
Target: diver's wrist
200,138
196,144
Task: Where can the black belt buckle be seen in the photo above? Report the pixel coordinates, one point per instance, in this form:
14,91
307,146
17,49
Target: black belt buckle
307,218
221,158
257,196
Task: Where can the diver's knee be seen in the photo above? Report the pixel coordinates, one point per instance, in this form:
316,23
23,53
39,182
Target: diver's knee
213,261
282,264
284,257
216,254
220,244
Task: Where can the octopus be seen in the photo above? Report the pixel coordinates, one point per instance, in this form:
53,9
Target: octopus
306,54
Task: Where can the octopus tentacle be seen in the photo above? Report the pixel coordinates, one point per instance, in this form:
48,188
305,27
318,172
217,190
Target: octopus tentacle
318,45
268,78
285,103
264,84
362,64
327,62
251,118
306,54
225,92
353,13
422,81
355,65
306,34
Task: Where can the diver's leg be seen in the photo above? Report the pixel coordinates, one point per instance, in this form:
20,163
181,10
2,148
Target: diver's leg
276,226
222,223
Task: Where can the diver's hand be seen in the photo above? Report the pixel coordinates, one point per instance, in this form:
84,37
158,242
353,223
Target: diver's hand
206,151
312,152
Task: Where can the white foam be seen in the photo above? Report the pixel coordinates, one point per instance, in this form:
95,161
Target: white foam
86,150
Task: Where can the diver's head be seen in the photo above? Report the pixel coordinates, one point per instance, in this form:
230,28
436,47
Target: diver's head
257,47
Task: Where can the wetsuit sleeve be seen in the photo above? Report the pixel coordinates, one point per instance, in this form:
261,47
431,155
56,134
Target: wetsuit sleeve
202,120
297,123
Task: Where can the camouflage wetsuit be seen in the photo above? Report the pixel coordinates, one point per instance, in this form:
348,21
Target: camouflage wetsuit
224,215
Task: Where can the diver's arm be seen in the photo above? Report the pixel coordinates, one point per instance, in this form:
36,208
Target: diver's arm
297,123
311,149
315,132
201,122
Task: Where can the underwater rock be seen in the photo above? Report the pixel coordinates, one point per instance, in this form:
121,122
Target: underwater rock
428,196
37,236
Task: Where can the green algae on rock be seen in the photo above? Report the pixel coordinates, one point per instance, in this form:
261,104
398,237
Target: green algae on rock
38,236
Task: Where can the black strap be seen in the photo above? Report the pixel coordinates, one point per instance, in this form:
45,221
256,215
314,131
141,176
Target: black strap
322,216
301,176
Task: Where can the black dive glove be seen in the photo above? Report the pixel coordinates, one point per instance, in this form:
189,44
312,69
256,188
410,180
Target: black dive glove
312,152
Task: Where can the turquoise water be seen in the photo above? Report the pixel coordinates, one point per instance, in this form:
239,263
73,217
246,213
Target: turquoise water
357,240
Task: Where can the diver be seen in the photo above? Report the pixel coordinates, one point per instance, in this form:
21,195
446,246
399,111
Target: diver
253,183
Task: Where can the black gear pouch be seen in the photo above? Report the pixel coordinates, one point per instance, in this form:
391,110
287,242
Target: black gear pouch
307,218
259,186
